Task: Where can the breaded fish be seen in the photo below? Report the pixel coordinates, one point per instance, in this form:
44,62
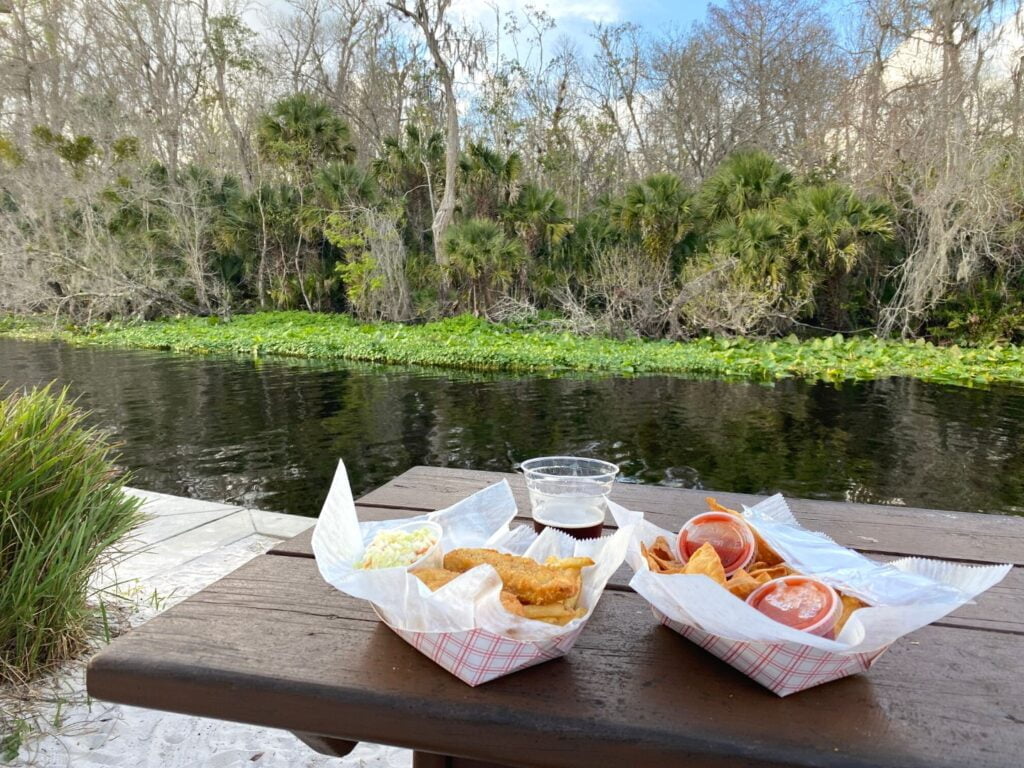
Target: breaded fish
435,578
531,582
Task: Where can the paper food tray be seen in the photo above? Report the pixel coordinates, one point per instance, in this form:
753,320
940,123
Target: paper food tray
462,626
902,596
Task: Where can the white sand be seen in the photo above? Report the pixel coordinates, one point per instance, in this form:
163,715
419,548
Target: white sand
184,546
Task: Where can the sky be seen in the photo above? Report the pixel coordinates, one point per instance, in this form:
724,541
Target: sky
576,18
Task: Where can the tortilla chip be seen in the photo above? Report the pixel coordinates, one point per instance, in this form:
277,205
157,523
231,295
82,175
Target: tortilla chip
714,506
660,558
706,561
850,604
742,584
761,575
663,551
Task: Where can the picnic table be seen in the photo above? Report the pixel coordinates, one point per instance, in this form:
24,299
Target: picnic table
273,645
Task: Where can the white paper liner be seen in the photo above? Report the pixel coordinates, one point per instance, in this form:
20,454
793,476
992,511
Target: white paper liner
904,595
462,624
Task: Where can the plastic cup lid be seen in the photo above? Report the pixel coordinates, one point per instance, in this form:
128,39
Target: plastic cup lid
728,534
799,602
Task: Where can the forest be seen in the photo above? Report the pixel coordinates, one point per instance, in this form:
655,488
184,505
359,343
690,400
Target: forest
770,169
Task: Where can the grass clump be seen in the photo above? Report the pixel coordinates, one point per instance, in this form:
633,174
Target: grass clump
62,506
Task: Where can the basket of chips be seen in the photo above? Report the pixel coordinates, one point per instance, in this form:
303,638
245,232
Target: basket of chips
786,606
477,597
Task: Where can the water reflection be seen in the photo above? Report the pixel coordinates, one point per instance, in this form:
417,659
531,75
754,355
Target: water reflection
268,433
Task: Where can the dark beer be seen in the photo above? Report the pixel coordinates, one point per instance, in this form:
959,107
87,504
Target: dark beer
579,520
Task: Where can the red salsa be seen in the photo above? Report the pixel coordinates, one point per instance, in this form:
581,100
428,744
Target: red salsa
799,602
729,535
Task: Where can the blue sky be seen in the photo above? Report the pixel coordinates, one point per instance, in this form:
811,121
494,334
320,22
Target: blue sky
577,17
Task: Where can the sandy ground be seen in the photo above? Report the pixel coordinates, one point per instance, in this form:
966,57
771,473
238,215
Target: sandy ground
184,546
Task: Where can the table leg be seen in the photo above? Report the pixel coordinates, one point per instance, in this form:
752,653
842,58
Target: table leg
326,745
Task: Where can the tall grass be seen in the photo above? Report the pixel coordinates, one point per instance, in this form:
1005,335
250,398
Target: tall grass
62,506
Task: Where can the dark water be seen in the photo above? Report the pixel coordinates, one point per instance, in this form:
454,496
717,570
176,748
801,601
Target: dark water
269,433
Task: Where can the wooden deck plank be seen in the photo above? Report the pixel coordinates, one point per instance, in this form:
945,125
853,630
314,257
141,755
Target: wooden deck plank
867,527
272,644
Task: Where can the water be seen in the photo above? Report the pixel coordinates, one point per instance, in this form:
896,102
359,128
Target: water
269,433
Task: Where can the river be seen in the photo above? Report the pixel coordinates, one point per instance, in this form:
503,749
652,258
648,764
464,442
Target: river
268,433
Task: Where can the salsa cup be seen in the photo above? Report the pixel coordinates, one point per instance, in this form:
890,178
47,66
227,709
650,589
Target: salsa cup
799,602
730,536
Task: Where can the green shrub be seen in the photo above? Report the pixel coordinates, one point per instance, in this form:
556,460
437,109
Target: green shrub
61,508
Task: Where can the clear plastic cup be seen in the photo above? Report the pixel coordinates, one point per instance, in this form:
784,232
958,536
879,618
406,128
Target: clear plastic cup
569,493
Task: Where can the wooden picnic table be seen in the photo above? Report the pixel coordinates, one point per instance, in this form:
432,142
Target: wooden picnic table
273,645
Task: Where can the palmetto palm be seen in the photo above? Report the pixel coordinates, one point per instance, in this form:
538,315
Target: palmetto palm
412,165
406,162
657,210
340,184
482,259
302,133
756,239
539,218
744,181
829,229
490,181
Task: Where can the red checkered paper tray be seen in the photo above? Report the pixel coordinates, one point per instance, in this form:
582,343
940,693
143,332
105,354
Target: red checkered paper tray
462,626
902,596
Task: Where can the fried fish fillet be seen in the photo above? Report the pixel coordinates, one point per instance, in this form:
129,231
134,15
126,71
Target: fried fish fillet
531,582
435,578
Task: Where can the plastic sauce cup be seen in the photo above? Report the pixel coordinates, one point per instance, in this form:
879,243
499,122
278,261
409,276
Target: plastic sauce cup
728,534
799,602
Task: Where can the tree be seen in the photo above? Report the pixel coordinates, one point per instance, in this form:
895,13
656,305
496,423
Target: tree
538,218
300,133
482,260
744,181
828,230
447,49
656,211
490,181
410,166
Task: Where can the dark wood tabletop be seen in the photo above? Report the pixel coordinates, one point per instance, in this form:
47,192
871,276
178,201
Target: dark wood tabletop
272,644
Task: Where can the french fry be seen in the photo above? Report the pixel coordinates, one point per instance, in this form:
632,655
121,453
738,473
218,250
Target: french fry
553,614
569,562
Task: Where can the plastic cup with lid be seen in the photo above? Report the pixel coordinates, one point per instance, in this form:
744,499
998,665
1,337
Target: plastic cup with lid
799,602
730,536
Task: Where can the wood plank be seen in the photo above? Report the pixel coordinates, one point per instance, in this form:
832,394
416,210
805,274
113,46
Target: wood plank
272,644
868,527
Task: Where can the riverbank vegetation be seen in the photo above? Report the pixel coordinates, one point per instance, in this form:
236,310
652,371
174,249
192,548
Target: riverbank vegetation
62,507
540,346
401,163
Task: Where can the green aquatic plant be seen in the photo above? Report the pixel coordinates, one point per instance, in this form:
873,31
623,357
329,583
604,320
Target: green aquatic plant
471,343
